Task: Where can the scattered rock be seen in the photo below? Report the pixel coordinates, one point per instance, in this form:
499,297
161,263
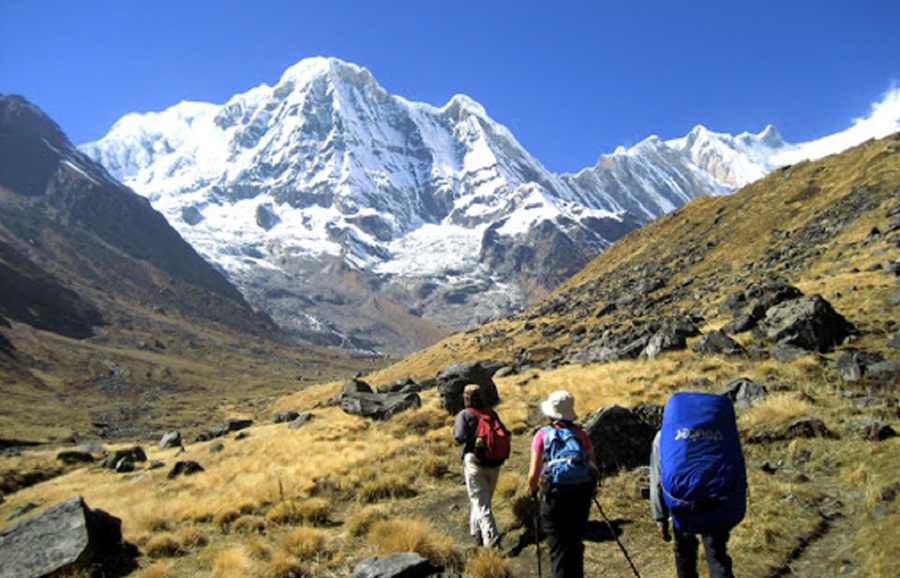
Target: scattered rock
398,565
621,439
66,539
378,406
72,457
185,468
287,416
300,420
744,392
457,376
716,342
170,439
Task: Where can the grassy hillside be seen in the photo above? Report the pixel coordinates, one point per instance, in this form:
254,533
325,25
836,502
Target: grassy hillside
316,500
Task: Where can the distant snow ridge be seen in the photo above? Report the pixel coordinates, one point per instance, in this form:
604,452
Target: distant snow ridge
361,220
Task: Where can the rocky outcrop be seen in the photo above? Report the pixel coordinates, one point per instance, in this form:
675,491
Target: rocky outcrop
452,380
64,539
398,565
621,438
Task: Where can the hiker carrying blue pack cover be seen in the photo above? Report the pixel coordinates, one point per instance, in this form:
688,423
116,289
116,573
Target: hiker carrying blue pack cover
564,468
698,478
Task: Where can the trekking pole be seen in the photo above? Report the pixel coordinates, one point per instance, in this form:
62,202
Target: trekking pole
537,537
613,532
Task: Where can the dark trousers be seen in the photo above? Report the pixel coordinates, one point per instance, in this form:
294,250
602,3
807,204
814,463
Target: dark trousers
714,545
564,517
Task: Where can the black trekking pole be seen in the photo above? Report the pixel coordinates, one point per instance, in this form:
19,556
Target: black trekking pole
613,532
537,536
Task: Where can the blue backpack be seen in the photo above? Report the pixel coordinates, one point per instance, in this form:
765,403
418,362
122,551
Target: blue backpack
566,462
703,475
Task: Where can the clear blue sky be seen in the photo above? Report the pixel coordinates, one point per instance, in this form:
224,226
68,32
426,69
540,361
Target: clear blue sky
571,79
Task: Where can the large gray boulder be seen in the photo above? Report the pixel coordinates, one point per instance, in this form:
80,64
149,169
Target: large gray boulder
621,439
378,406
808,322
64,539
452,381
398,565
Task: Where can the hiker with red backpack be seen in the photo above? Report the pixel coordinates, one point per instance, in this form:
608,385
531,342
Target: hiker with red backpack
486,445
563,467
698,479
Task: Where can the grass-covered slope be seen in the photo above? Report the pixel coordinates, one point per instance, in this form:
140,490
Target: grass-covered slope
318,499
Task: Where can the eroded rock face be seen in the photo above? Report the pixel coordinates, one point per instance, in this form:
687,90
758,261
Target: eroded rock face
66,537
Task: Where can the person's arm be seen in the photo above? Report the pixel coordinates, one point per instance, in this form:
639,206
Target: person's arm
657,503
461,429
536,465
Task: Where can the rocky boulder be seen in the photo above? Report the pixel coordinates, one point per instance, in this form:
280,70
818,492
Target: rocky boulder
808,322
378,406
621,438
397,565
457,376
66,539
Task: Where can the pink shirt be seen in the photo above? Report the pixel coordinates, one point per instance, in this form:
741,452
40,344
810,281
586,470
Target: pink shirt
537,446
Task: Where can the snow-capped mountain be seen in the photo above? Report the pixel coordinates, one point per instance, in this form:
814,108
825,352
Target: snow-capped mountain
359,219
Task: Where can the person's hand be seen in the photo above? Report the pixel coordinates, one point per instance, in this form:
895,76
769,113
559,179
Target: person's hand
663,531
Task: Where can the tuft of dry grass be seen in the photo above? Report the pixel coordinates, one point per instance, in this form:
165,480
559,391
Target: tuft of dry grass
249,525
774,412
487,563
233,563
284,565
409,535
361,522
390,486
163,546
305,543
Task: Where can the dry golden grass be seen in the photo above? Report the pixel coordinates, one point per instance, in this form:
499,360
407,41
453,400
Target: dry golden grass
163,546
361,522
399,485
305,543
486,563
408,535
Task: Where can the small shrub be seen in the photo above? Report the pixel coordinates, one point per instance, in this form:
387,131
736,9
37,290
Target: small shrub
313,511
405,535
259,550
283,513
488,564
435,466
232,564
224,519
362,521
509,483
305,543
249,525
192,538
163,546
385,487
284,565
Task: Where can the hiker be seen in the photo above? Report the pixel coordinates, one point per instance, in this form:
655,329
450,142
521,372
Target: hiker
707,432
481,464
567,483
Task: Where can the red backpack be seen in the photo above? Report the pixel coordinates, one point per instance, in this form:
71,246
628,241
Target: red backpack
492,439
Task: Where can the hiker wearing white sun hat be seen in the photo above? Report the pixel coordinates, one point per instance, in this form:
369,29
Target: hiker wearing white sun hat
563,466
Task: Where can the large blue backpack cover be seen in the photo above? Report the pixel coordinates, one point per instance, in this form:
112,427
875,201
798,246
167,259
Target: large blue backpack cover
704,478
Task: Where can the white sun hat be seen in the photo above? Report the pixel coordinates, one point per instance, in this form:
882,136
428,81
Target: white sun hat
560,405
